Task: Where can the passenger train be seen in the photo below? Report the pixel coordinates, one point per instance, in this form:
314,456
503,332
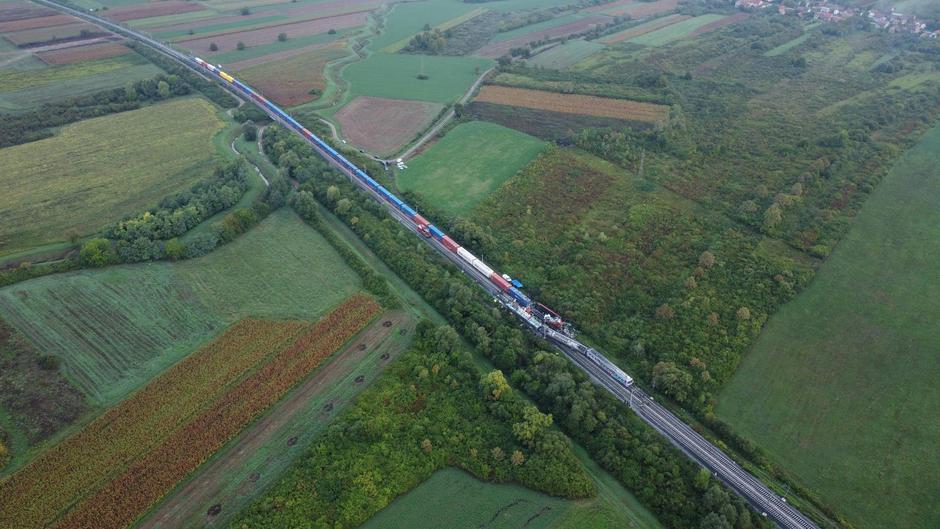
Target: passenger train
549,323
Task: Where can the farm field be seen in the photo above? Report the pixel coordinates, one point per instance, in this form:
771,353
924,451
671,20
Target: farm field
634,8
90,52
289,81
676,31
25,89
566,55
88,190
406,20
165,310
574,104
460,501
643,29
467,164
35,37
49,20
209,398
276,49
227,42
382,126
499,48
260,454
395,76
846,402
443,26
551,126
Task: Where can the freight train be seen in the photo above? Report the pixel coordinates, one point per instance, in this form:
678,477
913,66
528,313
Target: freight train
538,316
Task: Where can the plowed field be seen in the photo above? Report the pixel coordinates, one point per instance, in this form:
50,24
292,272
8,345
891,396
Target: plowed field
228,41
381,125
31,37
21,11
574,104
83,53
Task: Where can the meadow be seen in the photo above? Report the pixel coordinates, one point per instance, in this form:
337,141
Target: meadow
280,269
470,162
841,386
395,76
676,31
88,190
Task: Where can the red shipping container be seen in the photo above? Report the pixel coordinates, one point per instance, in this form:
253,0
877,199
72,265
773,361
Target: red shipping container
498,280
450,244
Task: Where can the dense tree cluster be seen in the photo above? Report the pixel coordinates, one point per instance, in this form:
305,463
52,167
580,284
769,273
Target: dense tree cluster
213,91
660,476
430,411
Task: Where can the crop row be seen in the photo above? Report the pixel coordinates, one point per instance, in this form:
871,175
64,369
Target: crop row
42,491
126,497
573,103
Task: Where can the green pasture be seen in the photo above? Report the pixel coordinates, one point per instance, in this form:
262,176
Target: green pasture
674,32
95,171
114,329
841,387
470,162
566,55
408,19
396,76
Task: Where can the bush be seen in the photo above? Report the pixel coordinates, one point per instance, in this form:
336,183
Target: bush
282,37
213,46
240,46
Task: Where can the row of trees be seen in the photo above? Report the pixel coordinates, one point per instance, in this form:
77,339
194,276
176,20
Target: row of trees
662,478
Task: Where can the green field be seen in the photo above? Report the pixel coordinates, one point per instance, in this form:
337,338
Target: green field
566,55
525,30
113,329
841,387
22,90
468,164
674,32
407,19
72,181
396,76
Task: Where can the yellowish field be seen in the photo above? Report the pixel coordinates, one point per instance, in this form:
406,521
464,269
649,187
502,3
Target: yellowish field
98,170
574,104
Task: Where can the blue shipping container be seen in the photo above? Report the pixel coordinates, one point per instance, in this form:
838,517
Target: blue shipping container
438,234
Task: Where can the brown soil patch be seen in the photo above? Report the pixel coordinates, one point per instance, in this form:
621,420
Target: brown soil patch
382,125
84,53
643,29
37,22
152,9
498,49
573,104
188,503
288,82
727,21
267,35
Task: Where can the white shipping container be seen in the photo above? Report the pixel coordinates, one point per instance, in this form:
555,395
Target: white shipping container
466,256
482,268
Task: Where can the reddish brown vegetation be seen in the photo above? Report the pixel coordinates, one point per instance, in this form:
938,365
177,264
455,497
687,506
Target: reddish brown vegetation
35,37
125,498
152,9
20,11
83,53
500,48
36,22
574,104
296,14
289,81
254,37
384,125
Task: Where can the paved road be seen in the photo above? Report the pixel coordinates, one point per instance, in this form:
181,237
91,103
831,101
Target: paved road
660,418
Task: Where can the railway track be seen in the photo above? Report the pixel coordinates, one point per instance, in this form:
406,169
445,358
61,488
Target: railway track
690,442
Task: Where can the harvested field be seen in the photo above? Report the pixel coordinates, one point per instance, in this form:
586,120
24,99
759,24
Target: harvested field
573,104
552,126
227,42
727,21
83,53
153,476
643,29
567,54
32,37
498,49
36,22
281,55
382,126
152,9
289,81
